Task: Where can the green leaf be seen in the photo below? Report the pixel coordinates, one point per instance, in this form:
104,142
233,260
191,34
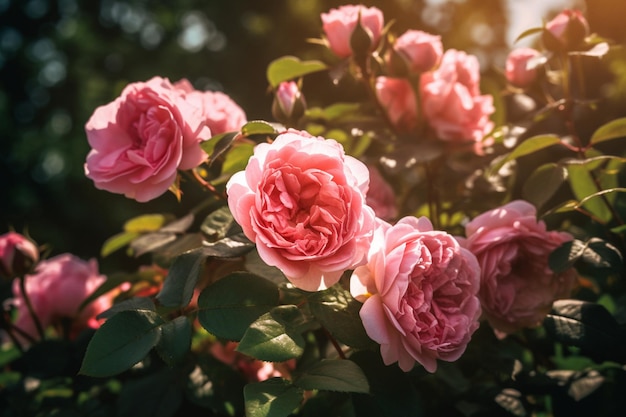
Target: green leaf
289,67
175,340
269,340
230,247
588,326
150,242
529,146
258,127
236,160
528,32
565,256
544,183
614,129
145,223
135,303
121,342
117,242
584,187
216,224
334,375
227,307
157,394
217,386
221,145
595,253
182,278
274,397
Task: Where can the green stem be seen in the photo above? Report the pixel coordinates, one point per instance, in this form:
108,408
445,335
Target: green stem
30,308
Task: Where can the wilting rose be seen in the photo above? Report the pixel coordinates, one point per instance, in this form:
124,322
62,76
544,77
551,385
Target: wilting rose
565,31
451,99
18,254
420,50
339,24
397,98
253,370
301,199
380,196
517,71
517,285
142,138
56,289
220,112
419,291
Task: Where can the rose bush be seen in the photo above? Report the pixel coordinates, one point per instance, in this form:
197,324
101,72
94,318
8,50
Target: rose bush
339,25
396,96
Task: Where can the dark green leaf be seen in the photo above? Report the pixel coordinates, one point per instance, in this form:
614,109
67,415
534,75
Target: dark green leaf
584,187
221,145
150,242
175,340
274,397
230,247
511,400
544,183
135,303
529,146
334,375
217,386
228,306
157,394
565,256
121,342
269,340
258,127
595,253
614,129
182,278
289,67
179,225
216,224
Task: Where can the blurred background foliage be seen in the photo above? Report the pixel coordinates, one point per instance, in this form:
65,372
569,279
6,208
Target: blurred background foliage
60,59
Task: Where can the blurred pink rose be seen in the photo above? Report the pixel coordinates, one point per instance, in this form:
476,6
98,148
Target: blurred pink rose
142,138
380,196
220,112
56,290
338,25
517,71
252,369
451,99
289,103
301,199
398,100
565,31
517,285
420,50
18,254
419,291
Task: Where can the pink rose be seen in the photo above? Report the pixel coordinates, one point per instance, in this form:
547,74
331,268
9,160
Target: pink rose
220,112
289,103
419,291
301,199
397,98
56,290
517,71
451,99
141,139
517,285
18,254
420,50
339,24
565,31
380,196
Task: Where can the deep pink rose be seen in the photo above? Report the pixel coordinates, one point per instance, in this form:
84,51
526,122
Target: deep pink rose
517,285
565,31
141,139
451,99
380,196
419,291
56,289
301,199
517,71
397,98
220,112
18,254
420,50
338,25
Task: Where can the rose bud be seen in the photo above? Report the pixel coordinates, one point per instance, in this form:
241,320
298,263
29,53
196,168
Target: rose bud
18,254
289,103
566,31
339,27
517,70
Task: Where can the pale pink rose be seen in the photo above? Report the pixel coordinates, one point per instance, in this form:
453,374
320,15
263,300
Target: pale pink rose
420,50
419,289
18,254
397,98
451,99
221,113
517,71
517,285
142,138
339,24
289,103
565,31
56,289
380,196
301,199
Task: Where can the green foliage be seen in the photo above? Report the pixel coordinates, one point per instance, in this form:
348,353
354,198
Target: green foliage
290,67
272,398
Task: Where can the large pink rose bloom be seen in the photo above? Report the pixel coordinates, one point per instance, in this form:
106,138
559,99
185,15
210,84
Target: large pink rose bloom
451,99
220,112
338,25
302,201
141,139
56,290
517,71
419,289
517,285
420,50
397,98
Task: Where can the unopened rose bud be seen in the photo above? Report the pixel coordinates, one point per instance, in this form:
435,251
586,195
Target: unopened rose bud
421,51
566,31
520,71
18,254
289,104
340,28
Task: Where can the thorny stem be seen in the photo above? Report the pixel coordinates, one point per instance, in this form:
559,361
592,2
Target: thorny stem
207,184
335,343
